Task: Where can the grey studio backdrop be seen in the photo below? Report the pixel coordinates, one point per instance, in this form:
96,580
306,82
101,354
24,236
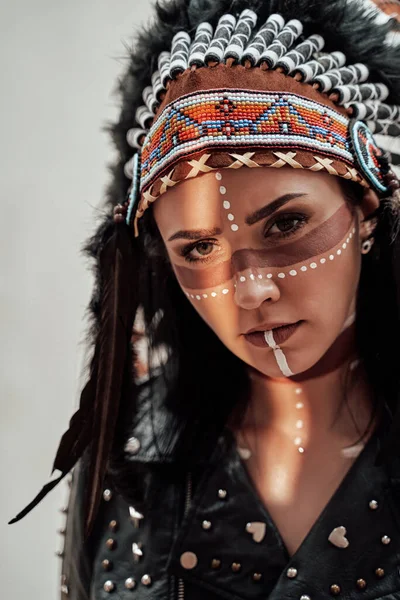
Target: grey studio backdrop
59,63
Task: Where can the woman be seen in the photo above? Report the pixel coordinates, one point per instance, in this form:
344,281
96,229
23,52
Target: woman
257,241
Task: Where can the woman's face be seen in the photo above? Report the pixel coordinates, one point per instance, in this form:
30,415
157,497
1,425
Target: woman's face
270,259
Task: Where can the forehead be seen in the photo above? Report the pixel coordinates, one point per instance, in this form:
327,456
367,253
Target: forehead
198,201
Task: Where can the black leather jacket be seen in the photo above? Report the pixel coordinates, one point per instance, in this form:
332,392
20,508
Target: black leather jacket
207,536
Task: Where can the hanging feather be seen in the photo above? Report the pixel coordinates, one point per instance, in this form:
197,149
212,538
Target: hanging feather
301,53
222,35
320,65
244,28
263,39
200,45
93,424
285,40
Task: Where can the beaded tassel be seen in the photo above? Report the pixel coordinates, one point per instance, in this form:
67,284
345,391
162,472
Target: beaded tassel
158,87
164,61
200,45
320,65
285,39
263,39
144,117
345,75
135,137
343,94
149,99
375,111
301,53
222,35
242,34
179,54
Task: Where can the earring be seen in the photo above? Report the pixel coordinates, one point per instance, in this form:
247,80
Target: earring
367,245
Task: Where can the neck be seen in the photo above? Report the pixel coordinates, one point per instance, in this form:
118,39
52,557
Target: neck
331,399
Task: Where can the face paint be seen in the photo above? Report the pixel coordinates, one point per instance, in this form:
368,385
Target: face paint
318,241
226,204
278,353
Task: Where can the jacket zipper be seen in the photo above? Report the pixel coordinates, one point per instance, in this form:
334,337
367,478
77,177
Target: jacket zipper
188,498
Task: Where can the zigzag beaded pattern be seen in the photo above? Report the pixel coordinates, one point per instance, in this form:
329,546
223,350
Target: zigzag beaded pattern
241,118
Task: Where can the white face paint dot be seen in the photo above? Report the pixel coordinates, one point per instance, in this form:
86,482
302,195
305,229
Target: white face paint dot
339,252
225,291
301,450
213,294
259,276
222,190
344,246
187,294
191,295
299,425
218,176
354,230
198,297
322,261
331,257
226,204
299,405
231,217
205,296
281,275
348,240
297,441
313,265
234,227
242,278
252,277
299,391
269,276
304,269
293,273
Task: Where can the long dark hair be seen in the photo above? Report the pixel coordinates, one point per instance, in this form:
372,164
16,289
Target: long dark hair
203,381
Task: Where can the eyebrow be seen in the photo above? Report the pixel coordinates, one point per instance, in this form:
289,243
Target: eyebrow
270,208
195,234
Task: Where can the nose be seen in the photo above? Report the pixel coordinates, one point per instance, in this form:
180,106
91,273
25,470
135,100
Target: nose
253,288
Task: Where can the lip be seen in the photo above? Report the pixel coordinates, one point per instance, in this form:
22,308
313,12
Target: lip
281,333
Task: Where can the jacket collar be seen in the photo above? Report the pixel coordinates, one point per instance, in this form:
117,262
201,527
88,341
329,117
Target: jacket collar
266,570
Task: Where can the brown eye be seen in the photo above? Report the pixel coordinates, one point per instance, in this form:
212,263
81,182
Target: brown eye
204,248
285,225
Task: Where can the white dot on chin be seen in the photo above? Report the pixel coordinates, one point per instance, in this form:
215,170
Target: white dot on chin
213,294
259,276
226,204
281,275
198,297
313,265
269,276
293,273
331,257
222,189
231,217
339,252
218,176
191,295
299,391
304,269
205,296
234,227
225,291
322,261
242,278
298,441
299,405
301,450
252,276
344,246
299,425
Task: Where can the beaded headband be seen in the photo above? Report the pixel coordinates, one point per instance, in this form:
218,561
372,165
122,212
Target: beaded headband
300,108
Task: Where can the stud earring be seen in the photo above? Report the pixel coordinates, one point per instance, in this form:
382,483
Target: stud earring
367,245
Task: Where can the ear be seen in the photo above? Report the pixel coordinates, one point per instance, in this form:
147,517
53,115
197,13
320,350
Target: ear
369,204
